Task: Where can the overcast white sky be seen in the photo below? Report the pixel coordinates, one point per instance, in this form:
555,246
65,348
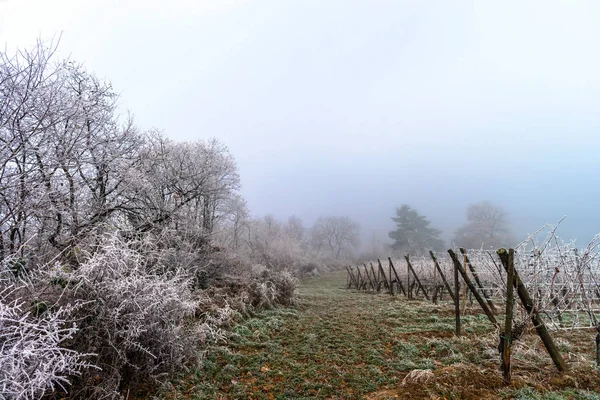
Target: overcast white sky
355,107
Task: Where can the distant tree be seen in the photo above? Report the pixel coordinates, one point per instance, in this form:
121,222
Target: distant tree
294,228
487,226
413,232
339,235
234,227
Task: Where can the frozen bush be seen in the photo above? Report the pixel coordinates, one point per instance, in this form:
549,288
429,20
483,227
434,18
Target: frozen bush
33,360
285,287
135,319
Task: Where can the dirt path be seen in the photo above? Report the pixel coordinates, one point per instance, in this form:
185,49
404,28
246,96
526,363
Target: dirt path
340,344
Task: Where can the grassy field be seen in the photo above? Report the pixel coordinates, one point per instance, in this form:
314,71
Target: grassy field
340,344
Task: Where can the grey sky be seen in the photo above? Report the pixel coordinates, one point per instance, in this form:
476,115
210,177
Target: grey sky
355,107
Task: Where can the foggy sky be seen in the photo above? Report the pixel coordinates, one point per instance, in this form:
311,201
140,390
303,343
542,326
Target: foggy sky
356,107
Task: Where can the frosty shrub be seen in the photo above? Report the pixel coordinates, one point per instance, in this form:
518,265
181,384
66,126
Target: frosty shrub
263,291
32,359
285,287
136,320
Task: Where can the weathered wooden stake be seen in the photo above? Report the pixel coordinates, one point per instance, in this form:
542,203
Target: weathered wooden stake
352,278
369,276
416,277
465,292
456,300
397,277
437,266
385,281
540,327
366,278
391,280
376,279
408,285
478,282
506,340
360,278
467,280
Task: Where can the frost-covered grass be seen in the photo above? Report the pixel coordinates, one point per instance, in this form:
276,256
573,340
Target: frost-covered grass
341,344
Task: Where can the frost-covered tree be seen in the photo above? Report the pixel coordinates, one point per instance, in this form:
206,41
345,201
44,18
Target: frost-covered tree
338,236
487,226
413,232
64,154
233,227
71,170
186,186
294,228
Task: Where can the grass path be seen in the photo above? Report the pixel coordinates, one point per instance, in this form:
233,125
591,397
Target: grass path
339,344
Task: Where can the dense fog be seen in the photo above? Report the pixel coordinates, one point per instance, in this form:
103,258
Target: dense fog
354,108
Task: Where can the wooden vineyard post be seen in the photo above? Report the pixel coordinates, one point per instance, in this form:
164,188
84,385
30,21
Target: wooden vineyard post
477,281
368,282
351,277
385,281
398,281
369,276
465,290
506,340
437,266
408,287
360,278
416,277
456,299
365,282
538,323
434,298
376,279
391,280
467,280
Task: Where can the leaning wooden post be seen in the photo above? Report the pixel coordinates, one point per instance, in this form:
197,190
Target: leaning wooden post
467,280
385,281
374,277
434,298
366,279
506,340
391,280
371,284
478,282
352,279
361,281
416,277
369,276
437,266
540,327
465,289
408,288
397,277
456,299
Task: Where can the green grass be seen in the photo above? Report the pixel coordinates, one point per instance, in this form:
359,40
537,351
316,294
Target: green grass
340,344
